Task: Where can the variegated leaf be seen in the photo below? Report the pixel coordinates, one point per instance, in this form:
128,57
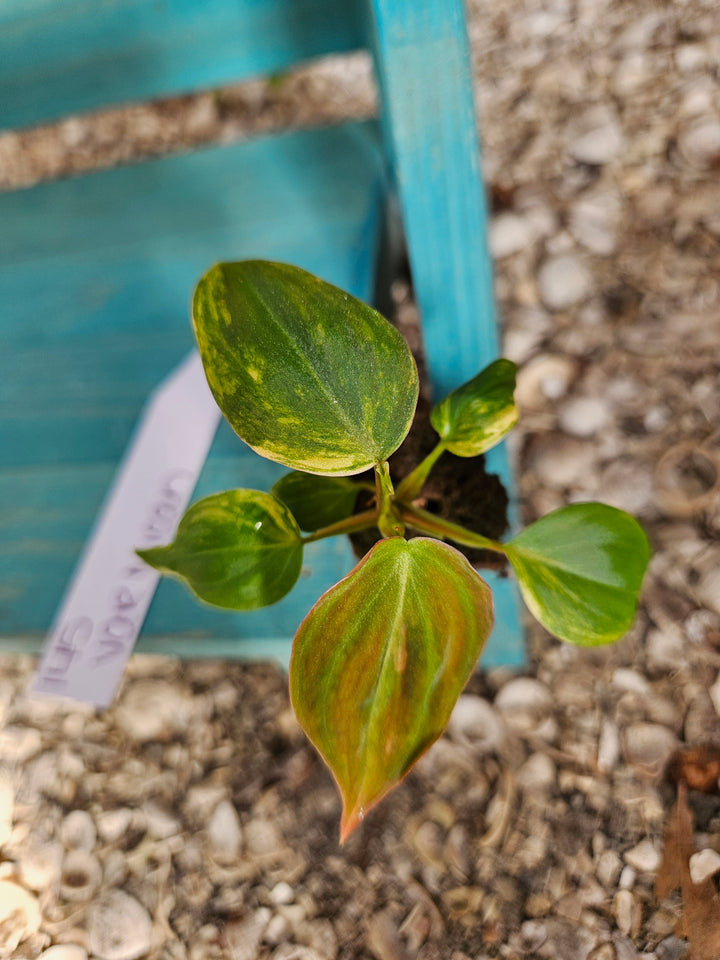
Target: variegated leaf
241,550
477,415
306,374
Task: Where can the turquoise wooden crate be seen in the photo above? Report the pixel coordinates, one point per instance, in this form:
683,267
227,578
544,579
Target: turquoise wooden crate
96,272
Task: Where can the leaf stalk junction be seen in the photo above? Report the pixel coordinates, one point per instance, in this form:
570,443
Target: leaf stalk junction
393,512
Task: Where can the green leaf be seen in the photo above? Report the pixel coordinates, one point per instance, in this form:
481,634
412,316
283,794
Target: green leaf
477,415
306,374
580,569
317,502
241,550
380,660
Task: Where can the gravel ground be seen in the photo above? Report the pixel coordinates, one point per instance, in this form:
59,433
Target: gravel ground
192,820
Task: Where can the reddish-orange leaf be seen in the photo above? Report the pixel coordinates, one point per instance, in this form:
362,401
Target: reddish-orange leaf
380,661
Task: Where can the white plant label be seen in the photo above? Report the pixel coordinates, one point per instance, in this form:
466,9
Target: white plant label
108,597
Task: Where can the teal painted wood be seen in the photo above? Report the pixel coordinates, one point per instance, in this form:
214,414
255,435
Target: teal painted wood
423,65
424,70
96,276
98,272
65,56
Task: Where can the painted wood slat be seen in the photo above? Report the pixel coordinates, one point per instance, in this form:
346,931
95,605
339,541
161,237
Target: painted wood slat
59,57
423,65
424,70
96,275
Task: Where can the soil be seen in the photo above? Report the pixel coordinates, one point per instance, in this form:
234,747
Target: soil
458,489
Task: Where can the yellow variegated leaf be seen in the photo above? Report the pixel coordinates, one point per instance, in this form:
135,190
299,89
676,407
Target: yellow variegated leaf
306,374
241,550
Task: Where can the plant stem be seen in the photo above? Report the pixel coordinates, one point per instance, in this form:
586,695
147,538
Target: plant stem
445,530
388,522
358,521
413,483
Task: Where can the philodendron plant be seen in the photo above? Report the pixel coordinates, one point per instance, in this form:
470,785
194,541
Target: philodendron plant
318,381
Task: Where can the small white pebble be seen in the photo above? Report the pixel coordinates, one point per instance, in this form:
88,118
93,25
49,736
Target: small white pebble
704,864
594,220
623,906
643,857
78,831
544,377
600,141
118,927
563,281
608,747
608,868
277,930
112,824
224,831
160,823
474,723
40,864
630,680
649,746
664,649
690,56
548,730
64,951
523,693
282,893
509,234
627,878
153,710
537,773
584,416
19,744
700,142
561,461
19,916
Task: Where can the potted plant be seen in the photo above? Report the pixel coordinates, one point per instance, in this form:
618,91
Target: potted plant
320,382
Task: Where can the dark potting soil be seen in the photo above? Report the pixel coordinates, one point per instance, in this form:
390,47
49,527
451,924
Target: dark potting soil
458,489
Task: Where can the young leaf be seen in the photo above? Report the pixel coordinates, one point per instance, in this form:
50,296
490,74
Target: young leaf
380,660
580,569
477,415
316,502
240,550
306,374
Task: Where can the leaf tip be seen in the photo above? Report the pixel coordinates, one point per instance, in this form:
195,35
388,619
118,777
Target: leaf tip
151,555
349,821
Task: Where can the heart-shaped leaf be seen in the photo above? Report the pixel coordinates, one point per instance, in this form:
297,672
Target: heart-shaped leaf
477,415
241,550
306,374
380,660
317,502
580,569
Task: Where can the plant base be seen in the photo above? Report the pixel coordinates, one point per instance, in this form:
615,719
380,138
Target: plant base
458,489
